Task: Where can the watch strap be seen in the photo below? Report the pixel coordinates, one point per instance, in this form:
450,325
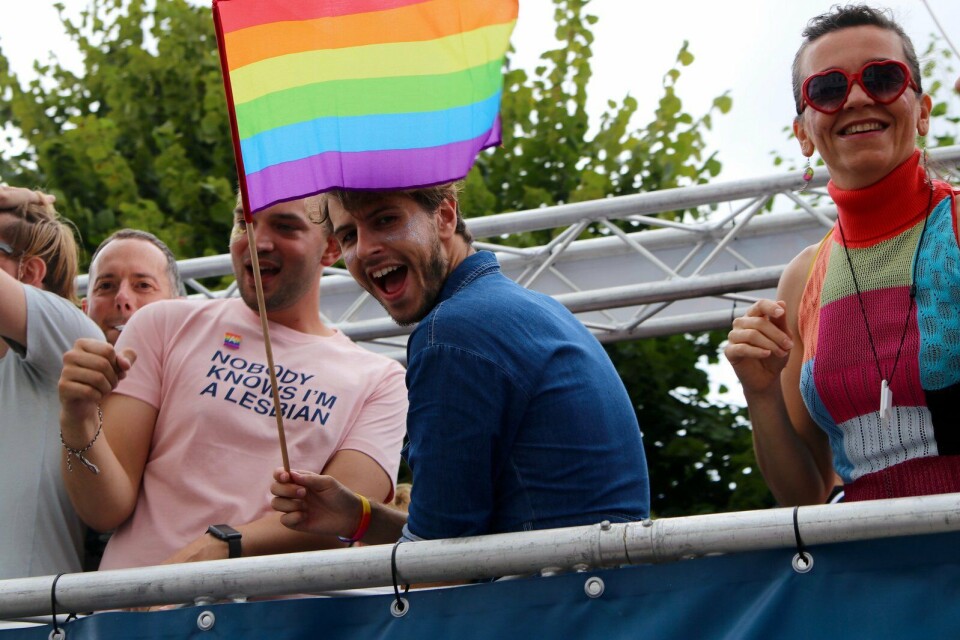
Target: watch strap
229,535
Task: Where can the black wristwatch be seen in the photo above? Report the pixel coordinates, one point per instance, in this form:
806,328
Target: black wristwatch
229,535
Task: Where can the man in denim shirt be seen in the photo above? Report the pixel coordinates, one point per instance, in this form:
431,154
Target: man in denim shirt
518,419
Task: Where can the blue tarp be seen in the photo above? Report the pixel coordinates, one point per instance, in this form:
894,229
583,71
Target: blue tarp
893,588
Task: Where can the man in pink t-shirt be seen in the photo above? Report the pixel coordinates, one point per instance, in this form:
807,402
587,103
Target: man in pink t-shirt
189,435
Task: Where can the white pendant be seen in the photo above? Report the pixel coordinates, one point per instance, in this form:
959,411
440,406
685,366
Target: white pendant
886,404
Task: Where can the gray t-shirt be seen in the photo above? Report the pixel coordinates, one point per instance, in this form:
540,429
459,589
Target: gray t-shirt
40,534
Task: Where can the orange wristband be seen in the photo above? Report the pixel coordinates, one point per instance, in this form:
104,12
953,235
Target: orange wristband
364,522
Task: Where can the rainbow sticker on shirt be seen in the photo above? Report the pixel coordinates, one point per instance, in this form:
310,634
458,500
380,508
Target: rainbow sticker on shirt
231,340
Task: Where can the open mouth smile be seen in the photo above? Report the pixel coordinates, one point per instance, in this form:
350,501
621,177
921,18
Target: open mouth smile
389,280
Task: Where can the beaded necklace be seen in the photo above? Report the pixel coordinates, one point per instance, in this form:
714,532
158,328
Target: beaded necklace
886,395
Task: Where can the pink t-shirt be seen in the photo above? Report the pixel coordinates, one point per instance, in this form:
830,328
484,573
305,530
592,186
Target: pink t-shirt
215,445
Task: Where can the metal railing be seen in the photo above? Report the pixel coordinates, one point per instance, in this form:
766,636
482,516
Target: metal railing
550,551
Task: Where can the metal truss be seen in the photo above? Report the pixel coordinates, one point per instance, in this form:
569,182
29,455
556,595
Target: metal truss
727,248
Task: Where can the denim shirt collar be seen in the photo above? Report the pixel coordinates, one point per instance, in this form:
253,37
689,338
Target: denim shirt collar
474,266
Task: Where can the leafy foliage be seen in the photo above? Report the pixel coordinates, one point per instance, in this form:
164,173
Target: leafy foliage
700,454
549,154
139,139
938,66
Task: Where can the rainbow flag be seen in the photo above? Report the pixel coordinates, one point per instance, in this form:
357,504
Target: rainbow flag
360,94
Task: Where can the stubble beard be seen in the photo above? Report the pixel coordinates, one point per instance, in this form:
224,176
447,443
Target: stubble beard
279,300
283,296
434,276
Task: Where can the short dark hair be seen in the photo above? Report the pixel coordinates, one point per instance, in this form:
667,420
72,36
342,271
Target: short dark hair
843,17
173,271
429,199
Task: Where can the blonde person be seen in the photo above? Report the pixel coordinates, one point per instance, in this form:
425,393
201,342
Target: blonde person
40,534
853,369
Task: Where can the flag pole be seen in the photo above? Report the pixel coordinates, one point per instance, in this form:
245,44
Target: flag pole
251,233
261,307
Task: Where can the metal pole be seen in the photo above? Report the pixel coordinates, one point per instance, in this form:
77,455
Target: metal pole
670,290
595,546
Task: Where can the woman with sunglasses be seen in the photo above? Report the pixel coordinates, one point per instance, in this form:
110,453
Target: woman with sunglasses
855,370
39,532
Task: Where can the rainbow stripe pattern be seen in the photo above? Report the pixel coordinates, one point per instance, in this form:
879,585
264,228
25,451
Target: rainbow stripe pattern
360,94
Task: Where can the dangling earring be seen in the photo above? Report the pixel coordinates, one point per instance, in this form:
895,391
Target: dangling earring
20,269
807,176
923,162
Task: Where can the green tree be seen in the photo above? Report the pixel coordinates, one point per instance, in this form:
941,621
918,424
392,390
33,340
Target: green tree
139,137
939,71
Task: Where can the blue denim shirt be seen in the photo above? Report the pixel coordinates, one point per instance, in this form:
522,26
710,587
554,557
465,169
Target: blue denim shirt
518,419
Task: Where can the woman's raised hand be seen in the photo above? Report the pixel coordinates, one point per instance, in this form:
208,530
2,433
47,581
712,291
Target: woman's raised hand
759,345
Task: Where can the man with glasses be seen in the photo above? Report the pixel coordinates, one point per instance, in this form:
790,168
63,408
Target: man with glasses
40,534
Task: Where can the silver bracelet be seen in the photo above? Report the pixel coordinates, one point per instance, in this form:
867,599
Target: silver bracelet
78,453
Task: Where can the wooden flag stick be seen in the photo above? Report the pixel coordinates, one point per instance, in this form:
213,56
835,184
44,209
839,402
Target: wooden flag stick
261,306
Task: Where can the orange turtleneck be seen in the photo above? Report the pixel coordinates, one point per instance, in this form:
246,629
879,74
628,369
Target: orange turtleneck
889,207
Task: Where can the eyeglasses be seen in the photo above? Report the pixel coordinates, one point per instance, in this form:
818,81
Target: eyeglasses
884,81
7,249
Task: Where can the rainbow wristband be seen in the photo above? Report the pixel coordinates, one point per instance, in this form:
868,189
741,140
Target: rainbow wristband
364,522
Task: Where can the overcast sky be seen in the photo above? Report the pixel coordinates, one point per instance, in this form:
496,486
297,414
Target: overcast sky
744,47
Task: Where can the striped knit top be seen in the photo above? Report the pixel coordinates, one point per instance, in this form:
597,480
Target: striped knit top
840,381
